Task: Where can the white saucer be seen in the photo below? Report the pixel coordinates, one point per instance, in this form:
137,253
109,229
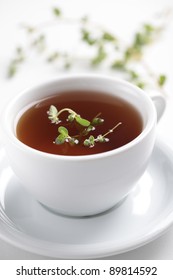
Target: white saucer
144,215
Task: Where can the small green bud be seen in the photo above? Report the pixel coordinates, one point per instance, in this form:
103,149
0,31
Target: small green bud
73,141
90,141
87,142
60,139
90,128
102,139
71,117
97,121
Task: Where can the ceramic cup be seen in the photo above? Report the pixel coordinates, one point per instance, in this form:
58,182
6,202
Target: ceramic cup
52,179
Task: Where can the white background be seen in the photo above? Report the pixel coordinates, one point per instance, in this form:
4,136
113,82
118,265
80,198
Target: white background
121,17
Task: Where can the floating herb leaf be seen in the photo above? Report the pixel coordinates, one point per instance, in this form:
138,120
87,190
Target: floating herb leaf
63,131
53,114
60,139
89,142
82,121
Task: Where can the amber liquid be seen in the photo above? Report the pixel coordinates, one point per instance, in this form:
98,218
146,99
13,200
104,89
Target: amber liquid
35,129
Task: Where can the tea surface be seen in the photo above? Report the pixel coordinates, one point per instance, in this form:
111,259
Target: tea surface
35,130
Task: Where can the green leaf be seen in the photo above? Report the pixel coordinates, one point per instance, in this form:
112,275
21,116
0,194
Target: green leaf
134,52
149,28
101,55
67,65
119,65
87,38
63,131
60,139
53,57
56,12
82,121
12,69
90,141
133,75
53,110
141,39
108,37
161,80
141,85
87,143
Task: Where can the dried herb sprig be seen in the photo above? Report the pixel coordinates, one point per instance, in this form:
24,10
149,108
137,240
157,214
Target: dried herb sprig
86,127
90,142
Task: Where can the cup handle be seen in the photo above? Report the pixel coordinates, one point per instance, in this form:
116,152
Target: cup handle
160,105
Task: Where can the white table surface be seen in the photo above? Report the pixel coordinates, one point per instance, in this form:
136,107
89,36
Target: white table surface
120,16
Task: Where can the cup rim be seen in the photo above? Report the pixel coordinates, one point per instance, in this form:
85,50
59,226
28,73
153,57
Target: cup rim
124,148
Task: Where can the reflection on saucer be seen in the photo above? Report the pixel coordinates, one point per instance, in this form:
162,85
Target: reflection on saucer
142,195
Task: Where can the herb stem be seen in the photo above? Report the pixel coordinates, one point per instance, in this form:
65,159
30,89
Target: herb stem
68,110
63,20
112,129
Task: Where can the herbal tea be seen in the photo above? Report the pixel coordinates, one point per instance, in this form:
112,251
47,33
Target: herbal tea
79,123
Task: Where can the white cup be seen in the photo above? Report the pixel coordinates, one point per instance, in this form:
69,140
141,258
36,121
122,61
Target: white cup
60,182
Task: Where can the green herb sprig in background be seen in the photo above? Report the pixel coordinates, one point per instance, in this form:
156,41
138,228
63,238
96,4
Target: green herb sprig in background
109,50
